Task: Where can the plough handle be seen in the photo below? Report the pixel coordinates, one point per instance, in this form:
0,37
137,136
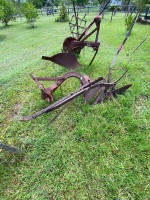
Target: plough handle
97,16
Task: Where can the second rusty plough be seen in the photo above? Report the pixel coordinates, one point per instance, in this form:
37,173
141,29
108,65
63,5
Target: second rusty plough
98,89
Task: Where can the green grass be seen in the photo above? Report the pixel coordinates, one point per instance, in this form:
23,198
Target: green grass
89,152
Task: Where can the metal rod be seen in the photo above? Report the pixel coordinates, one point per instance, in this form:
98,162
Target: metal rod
60,111
9,148
76,17
84,32
138,46
120,48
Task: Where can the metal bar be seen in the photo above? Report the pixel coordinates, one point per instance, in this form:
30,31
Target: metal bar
89,34
63,108
50,78
9,148
138,46
94,56
75,17
120,48
62,101
41,87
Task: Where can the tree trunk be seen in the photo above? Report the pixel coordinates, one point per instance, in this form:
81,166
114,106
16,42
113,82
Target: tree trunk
6,22
129,6
101,8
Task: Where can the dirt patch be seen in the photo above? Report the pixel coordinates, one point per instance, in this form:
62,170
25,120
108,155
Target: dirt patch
140,104
17,108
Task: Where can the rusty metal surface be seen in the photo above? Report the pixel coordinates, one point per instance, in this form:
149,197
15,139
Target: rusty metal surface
67,44
67,60
96,90
103,91
47,93
120,90
63,101
74,45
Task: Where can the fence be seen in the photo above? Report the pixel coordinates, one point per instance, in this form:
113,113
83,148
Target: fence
87,10
52,11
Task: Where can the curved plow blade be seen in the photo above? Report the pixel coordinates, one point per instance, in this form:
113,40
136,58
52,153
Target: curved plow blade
120,90
67,60
91,93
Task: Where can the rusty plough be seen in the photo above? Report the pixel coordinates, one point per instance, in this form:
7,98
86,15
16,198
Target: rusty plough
96,90
73,45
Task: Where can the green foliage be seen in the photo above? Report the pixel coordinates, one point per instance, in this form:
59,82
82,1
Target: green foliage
113,8
1,12
18,7
102,1
56,2
128,22
7,11
63,15
95,2
82,2
30,13
37,3
141,4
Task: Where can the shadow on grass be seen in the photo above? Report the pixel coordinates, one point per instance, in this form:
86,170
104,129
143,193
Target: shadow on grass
29,27
7,26
2,37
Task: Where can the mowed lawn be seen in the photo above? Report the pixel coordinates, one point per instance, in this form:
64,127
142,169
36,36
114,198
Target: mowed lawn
90,151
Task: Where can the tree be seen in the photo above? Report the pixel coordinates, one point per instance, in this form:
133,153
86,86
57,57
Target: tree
1,12
113,10
38,3
82,2
95,2
128,22
7,11
56,2
102,2
129,7
63,15
79,2
17,5
141,4
30,13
